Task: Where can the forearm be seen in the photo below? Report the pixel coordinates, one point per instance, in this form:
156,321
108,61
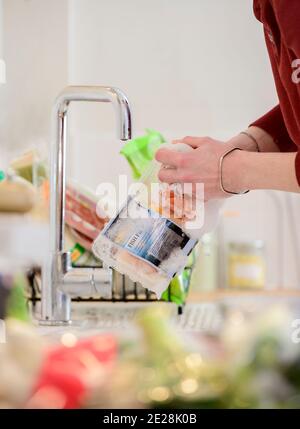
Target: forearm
222,168
247,170
264,141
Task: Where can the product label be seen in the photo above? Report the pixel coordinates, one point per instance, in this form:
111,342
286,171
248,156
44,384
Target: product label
148,236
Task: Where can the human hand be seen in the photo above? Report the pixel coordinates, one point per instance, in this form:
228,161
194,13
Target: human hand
198,166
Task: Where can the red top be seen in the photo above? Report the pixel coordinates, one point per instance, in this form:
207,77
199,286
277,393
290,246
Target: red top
281,20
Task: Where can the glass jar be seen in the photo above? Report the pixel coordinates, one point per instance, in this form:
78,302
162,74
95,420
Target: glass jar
246,265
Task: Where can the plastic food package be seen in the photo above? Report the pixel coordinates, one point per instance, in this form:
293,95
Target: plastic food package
81,214
31,167
139,153
141,241
81,257
17,195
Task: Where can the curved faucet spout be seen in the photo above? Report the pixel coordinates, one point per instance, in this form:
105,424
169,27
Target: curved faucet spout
100,94
55,305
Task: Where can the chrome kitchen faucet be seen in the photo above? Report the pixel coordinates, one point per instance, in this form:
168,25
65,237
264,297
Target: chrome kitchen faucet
58,272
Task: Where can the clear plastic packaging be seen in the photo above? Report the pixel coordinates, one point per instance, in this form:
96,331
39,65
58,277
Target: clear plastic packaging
151,237
82,214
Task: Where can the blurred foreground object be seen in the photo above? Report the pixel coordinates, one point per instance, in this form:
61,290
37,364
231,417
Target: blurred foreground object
254,362
175,375
16,194
20,357
30,167
71,372
13,283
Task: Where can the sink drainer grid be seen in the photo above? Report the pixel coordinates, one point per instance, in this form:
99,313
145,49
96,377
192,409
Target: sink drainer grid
123,290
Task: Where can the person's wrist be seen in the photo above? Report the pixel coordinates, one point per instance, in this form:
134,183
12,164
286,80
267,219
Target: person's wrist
253,139
264,140
242,141
232,172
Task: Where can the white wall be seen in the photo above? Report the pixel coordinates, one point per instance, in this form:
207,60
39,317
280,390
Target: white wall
2,63
196,67
35,50
266,216
1,28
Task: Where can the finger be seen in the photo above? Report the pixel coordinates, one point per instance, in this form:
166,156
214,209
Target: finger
194,142
169,175
169,157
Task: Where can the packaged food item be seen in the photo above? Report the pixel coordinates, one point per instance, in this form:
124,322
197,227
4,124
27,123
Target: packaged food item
31,167
139,153
148,239
17,195
81,257
81,214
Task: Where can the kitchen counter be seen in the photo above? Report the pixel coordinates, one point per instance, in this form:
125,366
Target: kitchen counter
226,293
204,313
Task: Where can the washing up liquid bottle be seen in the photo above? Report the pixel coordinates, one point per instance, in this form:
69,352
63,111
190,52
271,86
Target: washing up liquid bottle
152,235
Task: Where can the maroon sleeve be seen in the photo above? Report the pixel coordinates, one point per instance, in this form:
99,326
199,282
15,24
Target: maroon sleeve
284,20
273,123
288,21
297,164
287,18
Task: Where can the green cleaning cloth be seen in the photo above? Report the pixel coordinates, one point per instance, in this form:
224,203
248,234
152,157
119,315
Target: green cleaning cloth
140,151
178,289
